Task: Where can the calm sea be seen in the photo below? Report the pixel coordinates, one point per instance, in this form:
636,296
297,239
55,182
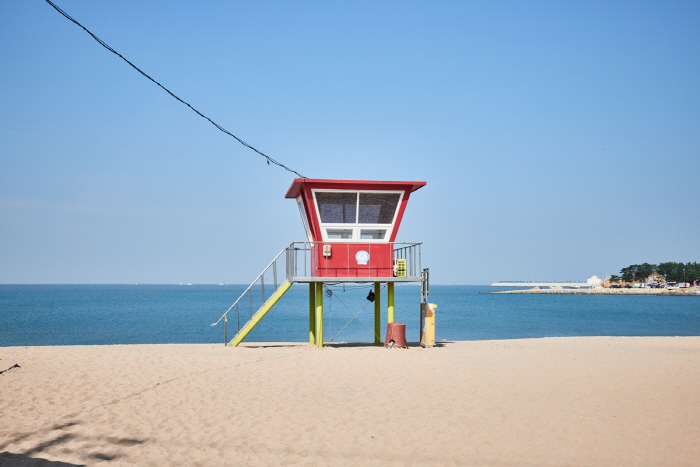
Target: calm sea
155,314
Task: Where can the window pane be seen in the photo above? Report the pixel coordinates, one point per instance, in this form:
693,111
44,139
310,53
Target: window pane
373,234
378,208
339,233
337,208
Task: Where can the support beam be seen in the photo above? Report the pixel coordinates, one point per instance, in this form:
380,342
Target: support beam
312,313
319,314
260,314
390,302
377,313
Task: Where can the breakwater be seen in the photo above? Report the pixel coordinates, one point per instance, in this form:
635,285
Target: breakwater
689,292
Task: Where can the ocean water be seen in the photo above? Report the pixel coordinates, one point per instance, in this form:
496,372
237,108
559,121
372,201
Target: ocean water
155,314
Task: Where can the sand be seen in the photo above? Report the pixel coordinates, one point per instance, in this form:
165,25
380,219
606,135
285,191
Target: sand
577,401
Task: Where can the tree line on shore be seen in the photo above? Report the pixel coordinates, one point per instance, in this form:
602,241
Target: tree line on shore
671,272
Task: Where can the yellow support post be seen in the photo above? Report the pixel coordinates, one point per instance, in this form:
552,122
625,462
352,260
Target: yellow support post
312,313
390,302
319,314
260,314
377,313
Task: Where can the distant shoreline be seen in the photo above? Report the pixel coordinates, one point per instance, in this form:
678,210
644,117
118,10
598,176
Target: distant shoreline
687,292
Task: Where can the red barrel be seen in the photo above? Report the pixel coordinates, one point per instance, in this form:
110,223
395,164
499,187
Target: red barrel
395,336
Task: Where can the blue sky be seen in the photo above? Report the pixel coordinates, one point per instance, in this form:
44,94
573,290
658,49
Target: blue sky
559,139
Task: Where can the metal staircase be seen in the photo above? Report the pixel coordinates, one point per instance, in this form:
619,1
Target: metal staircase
247,302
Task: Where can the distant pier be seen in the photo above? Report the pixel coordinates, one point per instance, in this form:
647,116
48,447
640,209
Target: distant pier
690,291
593,281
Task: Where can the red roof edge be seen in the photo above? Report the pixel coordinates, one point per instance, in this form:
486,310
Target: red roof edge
297,184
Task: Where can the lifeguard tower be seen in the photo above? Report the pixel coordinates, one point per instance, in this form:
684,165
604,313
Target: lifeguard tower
351,227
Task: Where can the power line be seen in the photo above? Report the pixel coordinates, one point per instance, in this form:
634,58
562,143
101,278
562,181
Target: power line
103,44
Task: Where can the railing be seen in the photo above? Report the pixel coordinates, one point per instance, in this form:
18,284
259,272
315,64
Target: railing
246,303
297,267
301,260
411,253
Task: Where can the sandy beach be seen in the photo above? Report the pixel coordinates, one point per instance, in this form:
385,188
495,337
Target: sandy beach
577,401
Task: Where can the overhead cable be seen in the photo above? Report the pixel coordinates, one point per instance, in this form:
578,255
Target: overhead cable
103,44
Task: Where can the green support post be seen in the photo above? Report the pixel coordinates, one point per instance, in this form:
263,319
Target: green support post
390,302
377,313
312,313
319,314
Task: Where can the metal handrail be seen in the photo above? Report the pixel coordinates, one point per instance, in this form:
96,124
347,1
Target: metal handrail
261,277
412,253
402,250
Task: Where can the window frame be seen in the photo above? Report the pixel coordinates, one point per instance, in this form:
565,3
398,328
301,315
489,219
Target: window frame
356,227
304,218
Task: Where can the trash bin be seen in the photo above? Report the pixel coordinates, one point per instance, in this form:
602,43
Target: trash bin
395,336
427,325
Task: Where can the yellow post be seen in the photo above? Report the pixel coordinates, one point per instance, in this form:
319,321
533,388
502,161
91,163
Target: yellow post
319,314
390,302
427,332
312,313
377,313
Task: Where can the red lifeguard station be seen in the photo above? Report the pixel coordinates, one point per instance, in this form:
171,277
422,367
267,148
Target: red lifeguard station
351,227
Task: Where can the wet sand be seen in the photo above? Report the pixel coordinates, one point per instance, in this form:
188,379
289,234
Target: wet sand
576,401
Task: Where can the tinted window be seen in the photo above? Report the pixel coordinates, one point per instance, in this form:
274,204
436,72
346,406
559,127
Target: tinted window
378,208
339,233
373,234
337,208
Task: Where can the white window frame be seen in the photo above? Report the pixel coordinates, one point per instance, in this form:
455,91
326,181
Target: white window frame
356,227
304,218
